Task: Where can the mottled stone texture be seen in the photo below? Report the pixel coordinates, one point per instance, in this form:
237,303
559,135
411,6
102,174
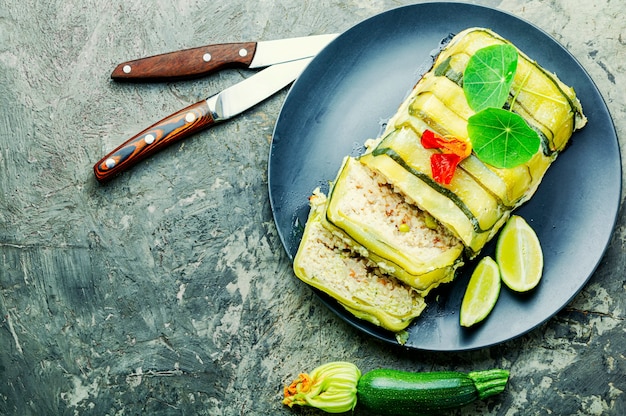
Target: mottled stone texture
168,291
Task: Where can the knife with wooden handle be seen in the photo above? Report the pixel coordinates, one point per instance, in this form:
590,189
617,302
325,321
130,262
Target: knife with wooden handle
201,61
188,63
217,108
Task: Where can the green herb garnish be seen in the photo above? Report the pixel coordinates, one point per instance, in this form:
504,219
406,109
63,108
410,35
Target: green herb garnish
488,76
499,137
502,138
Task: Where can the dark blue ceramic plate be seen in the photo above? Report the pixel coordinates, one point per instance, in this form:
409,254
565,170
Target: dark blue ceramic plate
358,81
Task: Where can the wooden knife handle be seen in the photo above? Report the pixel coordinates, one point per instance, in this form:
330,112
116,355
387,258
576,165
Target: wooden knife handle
185,64
156,137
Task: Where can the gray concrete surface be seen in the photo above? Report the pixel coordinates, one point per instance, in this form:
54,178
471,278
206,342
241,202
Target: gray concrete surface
167,291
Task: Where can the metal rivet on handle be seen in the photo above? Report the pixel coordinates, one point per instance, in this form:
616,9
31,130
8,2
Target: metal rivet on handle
127,69
243,52
206,57
190,117
149,138
110,163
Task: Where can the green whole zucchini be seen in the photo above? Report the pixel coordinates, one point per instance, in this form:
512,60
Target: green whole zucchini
394,392
338,387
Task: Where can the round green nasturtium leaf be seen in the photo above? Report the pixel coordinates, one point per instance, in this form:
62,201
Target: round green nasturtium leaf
488,76
501,138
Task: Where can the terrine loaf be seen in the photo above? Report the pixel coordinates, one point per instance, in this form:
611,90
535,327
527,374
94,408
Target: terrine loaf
326,262
390,221
480,197
379,223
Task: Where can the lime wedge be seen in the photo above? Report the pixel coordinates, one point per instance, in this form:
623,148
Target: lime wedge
482,292
519,255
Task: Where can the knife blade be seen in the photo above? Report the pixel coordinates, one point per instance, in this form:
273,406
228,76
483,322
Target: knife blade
197,62
217,108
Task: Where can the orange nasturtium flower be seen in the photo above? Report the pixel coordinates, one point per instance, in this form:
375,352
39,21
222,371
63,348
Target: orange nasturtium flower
453,151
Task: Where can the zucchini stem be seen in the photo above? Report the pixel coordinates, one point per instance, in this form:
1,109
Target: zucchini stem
489,382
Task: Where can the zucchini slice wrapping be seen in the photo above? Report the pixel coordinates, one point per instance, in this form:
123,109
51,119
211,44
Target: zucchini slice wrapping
482,196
